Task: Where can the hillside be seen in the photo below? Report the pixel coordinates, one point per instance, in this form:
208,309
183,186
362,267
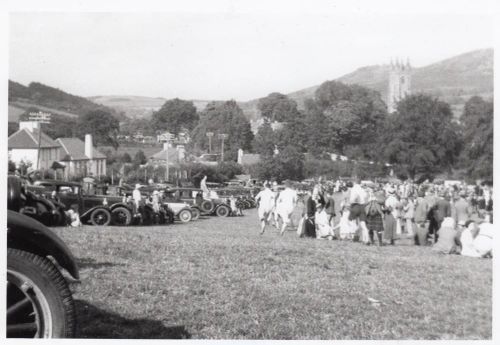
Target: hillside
453,80
45,98
136,107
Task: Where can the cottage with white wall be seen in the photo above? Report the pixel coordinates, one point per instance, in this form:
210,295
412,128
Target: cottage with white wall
81,158
23,146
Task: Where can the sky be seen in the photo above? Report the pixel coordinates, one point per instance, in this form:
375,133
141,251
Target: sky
229,52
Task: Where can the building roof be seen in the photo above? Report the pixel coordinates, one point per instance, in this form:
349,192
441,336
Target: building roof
173,156
24,139
75,148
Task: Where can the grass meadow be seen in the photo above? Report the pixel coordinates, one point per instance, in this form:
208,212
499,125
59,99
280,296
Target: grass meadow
219,279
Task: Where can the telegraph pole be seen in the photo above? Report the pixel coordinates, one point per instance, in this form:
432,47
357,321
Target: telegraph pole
210,135
168,139
40,118
222,137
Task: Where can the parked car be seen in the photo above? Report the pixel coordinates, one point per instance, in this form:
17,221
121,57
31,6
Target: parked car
193,196
39,301
95,209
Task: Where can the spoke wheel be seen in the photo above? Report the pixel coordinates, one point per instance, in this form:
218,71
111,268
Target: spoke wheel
222,211
121,216
39,302
100,217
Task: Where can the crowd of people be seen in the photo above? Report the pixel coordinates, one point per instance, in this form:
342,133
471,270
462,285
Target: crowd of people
451,218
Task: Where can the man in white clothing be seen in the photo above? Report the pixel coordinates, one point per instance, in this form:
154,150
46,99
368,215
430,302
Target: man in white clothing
358,199
137,197
285,205
266,201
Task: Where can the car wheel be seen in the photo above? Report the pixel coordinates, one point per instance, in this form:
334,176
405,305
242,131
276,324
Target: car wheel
195,213
185,216
39,302
207,206
222,211
121,216
100,217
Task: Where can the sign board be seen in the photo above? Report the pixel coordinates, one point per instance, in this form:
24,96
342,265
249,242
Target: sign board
40,117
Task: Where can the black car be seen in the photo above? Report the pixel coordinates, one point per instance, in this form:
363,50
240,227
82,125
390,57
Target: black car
39,301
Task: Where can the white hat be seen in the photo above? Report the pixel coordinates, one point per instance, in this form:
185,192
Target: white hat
137,186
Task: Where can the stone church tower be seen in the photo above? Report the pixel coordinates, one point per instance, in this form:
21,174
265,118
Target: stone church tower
399,83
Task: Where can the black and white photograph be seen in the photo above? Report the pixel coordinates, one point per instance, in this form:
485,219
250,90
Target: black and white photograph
238,170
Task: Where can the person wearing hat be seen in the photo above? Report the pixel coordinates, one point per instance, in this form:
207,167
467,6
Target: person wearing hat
155,201
394,205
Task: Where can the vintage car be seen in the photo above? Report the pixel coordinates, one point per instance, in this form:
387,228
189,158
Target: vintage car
42,208
172,209
94,209
39,301
193,196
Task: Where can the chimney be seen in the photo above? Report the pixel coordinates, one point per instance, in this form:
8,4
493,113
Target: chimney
89,149
29,125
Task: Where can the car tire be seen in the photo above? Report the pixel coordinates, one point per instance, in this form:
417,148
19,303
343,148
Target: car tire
222,211
121,216
195,211
207,206
100,217
185,216
39,301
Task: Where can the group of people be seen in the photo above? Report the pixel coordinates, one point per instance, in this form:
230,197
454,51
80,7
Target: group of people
453,219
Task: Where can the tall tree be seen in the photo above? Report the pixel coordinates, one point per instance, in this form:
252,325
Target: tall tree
421,136
140,158
477,122
277,107
264,140
224,118
175,115
352,114
102,125
317,131
288,164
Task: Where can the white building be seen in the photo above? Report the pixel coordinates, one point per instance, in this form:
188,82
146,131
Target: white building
81,158
23,146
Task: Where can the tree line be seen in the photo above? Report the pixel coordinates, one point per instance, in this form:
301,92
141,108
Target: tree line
421,139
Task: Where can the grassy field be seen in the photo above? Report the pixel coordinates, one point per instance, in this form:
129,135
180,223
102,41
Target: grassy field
219,279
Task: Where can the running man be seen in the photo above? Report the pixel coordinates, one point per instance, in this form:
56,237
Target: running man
285,205
266,202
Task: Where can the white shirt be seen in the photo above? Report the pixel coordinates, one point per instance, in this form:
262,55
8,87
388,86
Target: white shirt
358,195
136,195
265,199
287,200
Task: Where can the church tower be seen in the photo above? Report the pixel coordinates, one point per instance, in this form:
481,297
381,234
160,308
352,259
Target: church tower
399,83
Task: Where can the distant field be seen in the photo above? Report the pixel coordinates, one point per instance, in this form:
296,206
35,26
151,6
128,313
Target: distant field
219,279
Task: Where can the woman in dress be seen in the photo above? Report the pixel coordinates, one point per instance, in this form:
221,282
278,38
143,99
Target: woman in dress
374,219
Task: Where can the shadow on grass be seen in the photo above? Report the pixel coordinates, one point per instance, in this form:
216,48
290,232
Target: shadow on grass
91,263
97,323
